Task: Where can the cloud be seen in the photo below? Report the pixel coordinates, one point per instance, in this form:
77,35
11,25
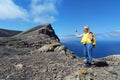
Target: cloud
40,11
102,36
44,11
9,10
114,33
65,38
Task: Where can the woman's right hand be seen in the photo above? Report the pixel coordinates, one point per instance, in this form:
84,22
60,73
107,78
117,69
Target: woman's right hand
76,30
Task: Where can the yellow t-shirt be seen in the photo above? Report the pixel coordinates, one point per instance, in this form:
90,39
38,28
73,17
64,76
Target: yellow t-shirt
86,39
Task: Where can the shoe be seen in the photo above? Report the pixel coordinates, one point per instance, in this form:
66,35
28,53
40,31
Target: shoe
87,65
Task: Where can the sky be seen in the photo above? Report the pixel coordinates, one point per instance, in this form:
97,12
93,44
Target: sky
103,16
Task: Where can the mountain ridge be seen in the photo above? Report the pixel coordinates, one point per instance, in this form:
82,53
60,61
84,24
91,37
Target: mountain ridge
8,33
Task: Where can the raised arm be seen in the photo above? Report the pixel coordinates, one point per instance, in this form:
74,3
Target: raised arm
78,35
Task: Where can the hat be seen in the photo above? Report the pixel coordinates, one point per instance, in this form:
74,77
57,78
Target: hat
86,27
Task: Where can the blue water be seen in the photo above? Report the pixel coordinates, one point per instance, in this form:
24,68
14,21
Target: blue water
103,48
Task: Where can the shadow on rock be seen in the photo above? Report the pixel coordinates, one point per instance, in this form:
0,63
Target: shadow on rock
101,64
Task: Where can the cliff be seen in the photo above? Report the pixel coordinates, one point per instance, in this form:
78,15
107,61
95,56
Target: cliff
37,54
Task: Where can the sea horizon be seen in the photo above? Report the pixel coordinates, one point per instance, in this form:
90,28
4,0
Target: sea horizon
103,48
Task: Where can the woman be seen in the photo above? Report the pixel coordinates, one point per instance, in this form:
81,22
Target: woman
89,41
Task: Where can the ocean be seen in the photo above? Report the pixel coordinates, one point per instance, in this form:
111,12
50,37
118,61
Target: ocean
103,48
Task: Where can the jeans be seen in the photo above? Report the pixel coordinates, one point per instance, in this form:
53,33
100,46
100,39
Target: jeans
88,52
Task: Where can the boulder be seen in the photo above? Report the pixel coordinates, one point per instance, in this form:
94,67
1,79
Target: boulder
49,47
18,66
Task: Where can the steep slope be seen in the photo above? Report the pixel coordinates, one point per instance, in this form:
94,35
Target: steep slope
8,33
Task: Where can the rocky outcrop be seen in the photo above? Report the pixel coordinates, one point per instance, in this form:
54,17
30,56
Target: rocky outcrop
8,33
37,54
107,68
58,48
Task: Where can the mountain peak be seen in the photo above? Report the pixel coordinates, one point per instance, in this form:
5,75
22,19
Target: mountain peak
39,32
